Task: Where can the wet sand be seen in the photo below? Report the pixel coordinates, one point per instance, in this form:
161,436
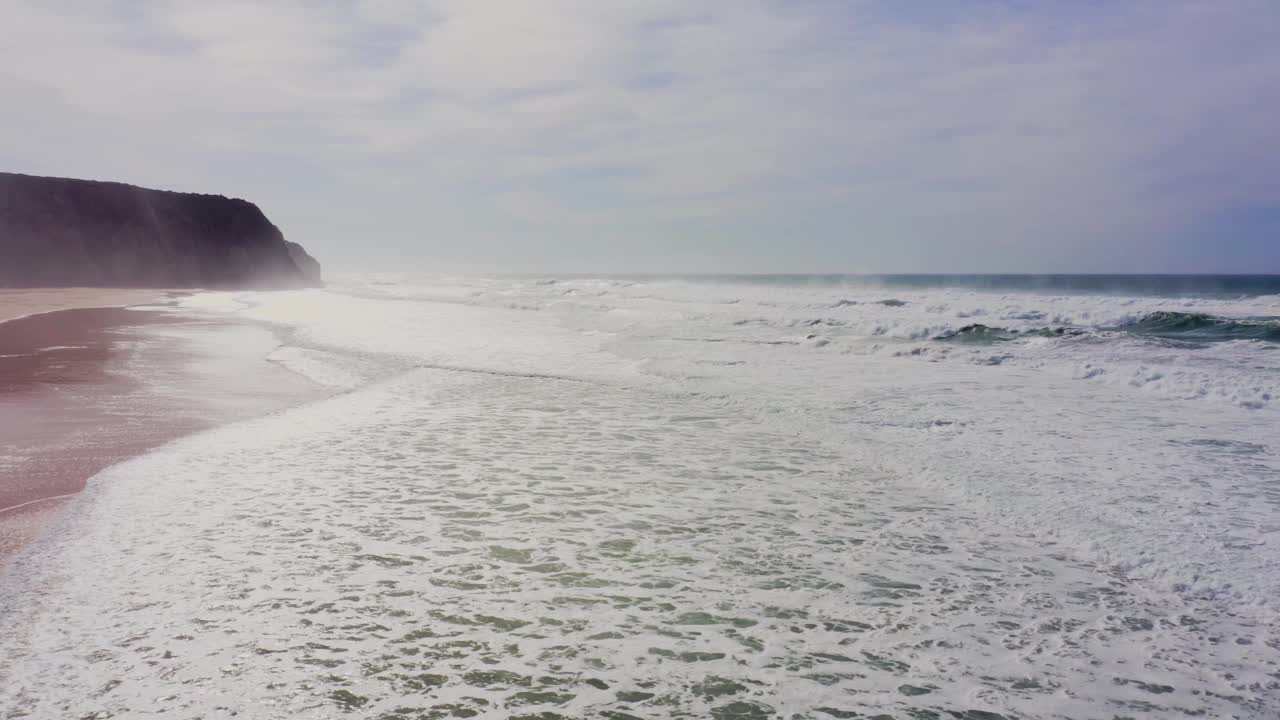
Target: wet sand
82,389
29,301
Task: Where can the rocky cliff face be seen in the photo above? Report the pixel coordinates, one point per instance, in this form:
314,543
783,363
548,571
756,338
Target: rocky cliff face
62,232
308,265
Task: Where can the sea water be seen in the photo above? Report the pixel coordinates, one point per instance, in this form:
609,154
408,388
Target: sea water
727,497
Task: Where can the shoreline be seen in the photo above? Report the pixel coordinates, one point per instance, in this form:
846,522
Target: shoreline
19,303
85,388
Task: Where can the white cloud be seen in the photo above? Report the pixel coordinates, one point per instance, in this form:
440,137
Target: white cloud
1004,133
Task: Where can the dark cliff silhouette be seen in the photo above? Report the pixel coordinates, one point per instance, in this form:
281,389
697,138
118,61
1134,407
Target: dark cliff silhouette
59,232
308,265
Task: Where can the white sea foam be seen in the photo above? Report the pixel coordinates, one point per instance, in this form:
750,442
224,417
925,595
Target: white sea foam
624,498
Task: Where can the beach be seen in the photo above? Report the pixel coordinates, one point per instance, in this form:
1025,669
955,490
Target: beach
619,497
86,382
29,301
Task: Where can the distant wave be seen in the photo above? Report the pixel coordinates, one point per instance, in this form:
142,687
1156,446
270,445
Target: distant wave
891,302
979,334
1164,324
1201,327
1070,284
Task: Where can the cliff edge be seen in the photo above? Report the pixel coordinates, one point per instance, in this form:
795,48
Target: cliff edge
307,265
59,232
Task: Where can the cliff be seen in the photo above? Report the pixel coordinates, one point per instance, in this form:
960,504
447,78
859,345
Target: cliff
58,232
307,265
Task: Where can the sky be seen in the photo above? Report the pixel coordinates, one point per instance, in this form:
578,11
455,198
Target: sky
679,135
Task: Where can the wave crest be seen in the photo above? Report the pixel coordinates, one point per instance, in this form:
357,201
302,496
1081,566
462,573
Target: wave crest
1205,328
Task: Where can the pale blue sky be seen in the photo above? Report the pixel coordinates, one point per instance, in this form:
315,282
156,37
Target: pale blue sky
588,135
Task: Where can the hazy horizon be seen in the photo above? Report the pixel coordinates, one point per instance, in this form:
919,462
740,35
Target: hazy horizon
662,138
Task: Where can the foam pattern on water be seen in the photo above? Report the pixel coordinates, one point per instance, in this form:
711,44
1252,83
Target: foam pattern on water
1097,344
452,544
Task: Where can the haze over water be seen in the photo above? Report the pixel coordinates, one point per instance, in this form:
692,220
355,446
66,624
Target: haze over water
728,497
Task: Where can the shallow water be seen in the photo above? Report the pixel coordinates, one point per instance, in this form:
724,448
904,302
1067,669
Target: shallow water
567,508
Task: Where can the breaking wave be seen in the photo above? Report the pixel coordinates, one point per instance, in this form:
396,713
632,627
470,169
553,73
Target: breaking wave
979,334
1202,327
1162,324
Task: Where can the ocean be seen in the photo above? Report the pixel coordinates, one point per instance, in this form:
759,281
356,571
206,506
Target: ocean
972,497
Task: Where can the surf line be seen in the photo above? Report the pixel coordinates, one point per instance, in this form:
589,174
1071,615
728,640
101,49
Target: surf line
33,502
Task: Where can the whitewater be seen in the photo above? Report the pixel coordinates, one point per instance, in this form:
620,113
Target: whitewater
726,497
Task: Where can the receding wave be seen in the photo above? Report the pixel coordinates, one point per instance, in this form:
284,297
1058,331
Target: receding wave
1205,328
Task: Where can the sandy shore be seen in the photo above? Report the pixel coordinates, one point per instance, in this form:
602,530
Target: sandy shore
84,388
17,303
